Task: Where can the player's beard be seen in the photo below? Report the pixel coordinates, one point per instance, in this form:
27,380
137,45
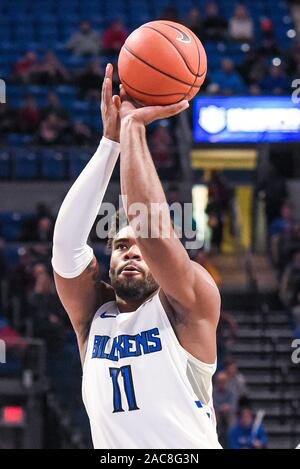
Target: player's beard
132,288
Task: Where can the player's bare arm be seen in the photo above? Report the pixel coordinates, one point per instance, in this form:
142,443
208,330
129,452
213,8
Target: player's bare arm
191,294
82,294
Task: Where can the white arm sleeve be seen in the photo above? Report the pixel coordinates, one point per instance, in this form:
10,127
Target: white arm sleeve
71,254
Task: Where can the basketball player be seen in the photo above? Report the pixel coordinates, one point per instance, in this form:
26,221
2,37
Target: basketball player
147,341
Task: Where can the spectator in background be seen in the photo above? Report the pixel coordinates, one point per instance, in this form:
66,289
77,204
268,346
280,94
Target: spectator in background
225,406
8,120
29,116
236,382
114,38
81,134
229,79
194,22
54,106
278,228
275,192
276,82
219,195
86,41
89,81
161,143
26,67
268,40
51,70
214,25
244,436
47,314
241,25
290,282
254,68
50,131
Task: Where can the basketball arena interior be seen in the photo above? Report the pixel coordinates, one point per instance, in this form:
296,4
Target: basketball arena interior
234,155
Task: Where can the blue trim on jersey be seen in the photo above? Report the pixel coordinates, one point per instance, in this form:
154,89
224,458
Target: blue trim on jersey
198,404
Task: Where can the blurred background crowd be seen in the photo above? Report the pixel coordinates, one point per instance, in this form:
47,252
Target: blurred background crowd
53,57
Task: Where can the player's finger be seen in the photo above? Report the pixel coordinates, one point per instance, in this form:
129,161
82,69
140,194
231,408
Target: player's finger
117,101
170,110
108,91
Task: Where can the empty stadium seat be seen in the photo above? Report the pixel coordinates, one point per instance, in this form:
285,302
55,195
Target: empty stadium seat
53,165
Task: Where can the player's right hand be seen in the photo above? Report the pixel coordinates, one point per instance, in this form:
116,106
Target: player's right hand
129,108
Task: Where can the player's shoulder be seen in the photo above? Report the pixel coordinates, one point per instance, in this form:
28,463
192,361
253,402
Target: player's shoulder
107,294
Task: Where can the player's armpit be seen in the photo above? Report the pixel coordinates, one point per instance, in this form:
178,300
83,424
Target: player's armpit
82,296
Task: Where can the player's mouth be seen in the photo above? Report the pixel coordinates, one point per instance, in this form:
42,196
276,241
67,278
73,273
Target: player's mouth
130,269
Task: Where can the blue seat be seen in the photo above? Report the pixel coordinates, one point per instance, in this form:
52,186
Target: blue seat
53,165
25,164
10,225
12,255
5,164
78,159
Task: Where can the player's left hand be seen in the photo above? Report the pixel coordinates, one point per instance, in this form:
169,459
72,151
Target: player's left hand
129,108
110,108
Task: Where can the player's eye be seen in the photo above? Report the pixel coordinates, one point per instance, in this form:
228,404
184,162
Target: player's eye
121,246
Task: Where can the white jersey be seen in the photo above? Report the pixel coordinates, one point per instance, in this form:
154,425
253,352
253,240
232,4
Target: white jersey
141,389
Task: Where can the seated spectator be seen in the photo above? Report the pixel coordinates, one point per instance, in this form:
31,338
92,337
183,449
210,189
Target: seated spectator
51,70
229,79
86,41
194,22
47,314
236,382
81,134
90,80
214,25
29,116
26,67
268,40
8,120
161,143
114,38
225,406
50,131
244,436
241,25
254,67
276,82
54,106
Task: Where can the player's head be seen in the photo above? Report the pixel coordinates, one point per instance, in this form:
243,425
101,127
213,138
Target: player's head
129,274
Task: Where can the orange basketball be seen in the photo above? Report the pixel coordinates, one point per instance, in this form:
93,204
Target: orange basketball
162,62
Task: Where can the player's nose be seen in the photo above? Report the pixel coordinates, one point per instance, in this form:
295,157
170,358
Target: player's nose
133,253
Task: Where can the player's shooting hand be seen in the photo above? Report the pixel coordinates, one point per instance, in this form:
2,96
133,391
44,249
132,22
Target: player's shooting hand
147,114
110,108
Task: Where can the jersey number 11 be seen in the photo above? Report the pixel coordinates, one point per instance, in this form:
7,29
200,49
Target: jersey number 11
125,372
